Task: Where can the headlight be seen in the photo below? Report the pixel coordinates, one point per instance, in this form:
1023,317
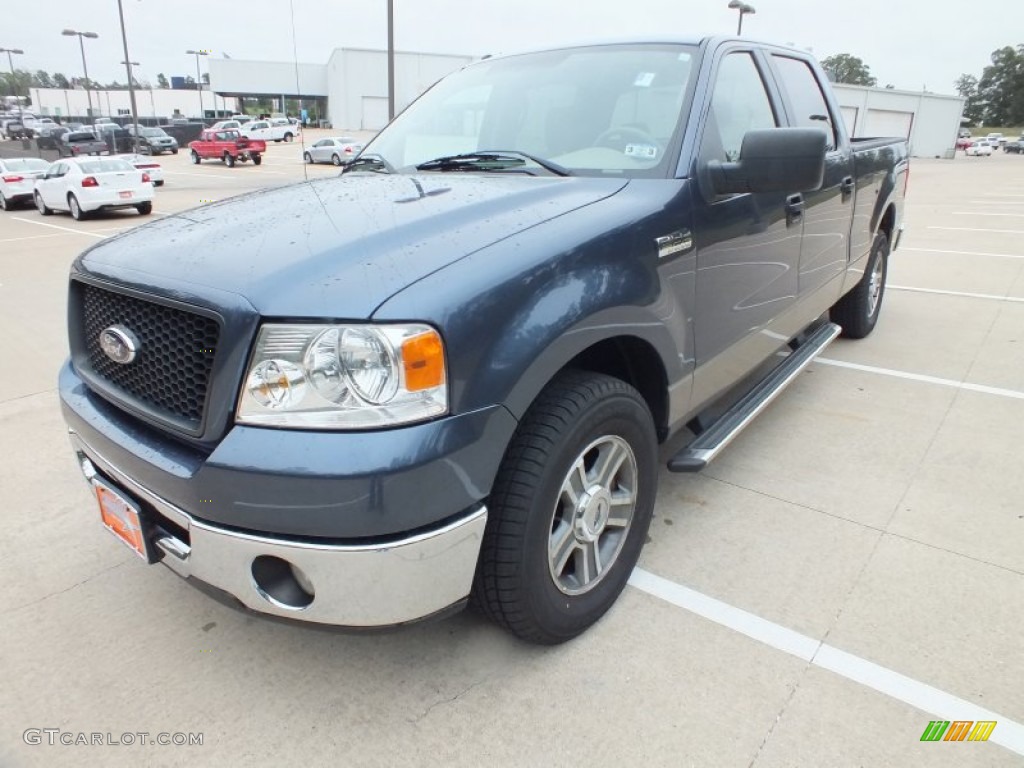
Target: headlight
344,376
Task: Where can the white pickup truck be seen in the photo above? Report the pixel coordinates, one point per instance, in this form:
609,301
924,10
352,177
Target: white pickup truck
275,129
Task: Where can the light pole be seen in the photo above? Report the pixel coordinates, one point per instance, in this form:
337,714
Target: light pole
91,36
743,9
391,60
14,81
199,79
131,85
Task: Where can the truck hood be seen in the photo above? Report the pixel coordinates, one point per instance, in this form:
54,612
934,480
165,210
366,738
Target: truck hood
338,247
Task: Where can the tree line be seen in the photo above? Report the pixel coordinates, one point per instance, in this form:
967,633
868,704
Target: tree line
18,82
997,97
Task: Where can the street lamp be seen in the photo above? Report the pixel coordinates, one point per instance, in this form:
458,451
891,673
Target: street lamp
91,36
131,85
199,79
743,8
391,60
14,81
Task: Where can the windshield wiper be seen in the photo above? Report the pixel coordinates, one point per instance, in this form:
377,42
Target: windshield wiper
490,160
371,162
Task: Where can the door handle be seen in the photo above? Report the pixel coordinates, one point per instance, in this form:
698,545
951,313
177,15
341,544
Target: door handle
846,187
794,209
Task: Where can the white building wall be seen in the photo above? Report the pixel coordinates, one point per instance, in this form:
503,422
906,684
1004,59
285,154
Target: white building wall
930,120
358,83
155,102
268,77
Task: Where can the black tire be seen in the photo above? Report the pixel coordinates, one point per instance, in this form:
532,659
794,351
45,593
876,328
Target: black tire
229,160
857,311
257,159
174,151
196,159
516,584
76,209
308,158
5,205
158,183
41,206
288,137
335,159
145,208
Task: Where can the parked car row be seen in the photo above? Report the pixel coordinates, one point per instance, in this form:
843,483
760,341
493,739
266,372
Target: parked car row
77,185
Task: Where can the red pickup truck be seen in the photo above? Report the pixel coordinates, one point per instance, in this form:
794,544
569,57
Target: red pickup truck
228,146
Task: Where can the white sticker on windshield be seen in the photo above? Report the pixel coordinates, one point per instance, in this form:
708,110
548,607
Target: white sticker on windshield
647,151
644,79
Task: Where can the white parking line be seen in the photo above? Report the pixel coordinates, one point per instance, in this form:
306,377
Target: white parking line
955,293
963,253
1008,733
999,391
30,237
62,229
975,229
985,213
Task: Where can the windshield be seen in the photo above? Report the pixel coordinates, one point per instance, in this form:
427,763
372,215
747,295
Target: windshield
151,132
106,166
599,110
26,164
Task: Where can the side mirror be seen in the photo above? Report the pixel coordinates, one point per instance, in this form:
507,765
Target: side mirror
774,160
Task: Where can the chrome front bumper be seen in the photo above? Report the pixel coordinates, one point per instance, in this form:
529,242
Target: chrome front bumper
355,585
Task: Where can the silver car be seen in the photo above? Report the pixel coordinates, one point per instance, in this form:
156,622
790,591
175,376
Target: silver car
338,150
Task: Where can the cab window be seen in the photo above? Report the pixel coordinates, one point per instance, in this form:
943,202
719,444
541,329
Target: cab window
739,104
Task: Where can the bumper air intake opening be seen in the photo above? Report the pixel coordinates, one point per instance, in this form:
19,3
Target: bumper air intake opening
282,583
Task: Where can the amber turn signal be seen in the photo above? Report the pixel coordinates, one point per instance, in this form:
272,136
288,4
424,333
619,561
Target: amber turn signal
423,360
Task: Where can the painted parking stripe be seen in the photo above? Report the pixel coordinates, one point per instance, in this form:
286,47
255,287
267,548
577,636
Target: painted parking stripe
991,296
62,229
999,391
963,253
30,237
1008,733
985,213
976,229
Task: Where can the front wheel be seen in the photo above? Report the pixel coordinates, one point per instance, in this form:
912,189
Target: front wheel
41,206
229,160
174,151
195,158
857,312
569,510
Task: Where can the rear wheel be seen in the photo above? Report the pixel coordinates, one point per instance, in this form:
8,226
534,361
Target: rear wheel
857,312
195,157
145,208
335,159
288,137
569,510
41,206
229,160
76,209
257,159
4,205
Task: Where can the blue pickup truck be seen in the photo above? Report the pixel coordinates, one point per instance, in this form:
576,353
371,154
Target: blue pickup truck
444,377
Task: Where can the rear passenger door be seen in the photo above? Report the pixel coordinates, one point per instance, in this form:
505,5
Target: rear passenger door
748,245
828,212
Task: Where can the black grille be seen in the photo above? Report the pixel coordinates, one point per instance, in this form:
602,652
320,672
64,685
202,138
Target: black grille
171,371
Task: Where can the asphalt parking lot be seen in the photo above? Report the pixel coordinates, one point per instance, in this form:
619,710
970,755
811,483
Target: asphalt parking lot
849,570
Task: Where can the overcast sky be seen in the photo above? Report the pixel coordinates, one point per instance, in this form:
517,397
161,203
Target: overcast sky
908,43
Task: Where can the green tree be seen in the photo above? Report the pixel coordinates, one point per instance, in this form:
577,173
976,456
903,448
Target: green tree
161,81
845,68
1001,87
967,86
60,80
42,79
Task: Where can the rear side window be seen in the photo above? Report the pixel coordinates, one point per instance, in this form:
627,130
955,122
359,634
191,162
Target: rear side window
804,91
739,104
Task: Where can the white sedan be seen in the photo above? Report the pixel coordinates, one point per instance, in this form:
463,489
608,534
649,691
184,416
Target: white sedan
17,179
979,149
337,150
84,185
147,164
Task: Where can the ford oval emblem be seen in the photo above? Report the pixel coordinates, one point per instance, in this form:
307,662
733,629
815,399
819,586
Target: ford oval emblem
119,344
